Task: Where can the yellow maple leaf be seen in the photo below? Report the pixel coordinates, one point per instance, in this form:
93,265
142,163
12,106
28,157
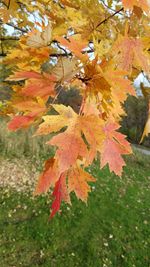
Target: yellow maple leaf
77,182
147,126
39,39
66,69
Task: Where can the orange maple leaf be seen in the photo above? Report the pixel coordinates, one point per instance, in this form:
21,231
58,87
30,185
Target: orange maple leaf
43,87
129,52
23,75
70,147
32,111
143,4
74,46
20,122
76,179
77,182
37,84
48,177
113,147
71,144
31,107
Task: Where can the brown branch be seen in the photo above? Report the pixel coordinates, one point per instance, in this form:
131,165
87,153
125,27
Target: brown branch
13,38
60,54
14,26
84,80
66,54
111,16
3,54
3,3
60,47
2,49
8,4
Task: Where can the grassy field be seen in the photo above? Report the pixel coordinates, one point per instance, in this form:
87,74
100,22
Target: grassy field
111,231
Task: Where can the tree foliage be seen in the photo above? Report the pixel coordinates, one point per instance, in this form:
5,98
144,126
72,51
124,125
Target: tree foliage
99,47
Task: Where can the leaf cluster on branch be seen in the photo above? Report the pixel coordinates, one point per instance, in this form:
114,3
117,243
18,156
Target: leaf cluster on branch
99,47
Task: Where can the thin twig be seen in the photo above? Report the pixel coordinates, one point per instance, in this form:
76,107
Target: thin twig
13,38
14,26
111,16
60,47
8,4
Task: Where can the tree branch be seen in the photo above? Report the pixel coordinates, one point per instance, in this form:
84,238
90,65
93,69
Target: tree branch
60,54
13,38
14,26
3,54
111,16
3,3
8,4
69,54
2,49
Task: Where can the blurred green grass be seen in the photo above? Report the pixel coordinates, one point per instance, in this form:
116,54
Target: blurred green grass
111,231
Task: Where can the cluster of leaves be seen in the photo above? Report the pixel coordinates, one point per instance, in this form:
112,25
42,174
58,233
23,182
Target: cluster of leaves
97,46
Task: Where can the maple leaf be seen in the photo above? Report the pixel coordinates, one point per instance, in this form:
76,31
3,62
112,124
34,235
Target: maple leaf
92,128
70,147
113,147
20,122
66,69
111,87
32,109
143,4
31,106
37,85
77,182
147,126
43,87
48,177
27,58
54,123
95,79
9,10
23,75
70,143
120,84
5,14
130,52
70,3
74,46
60,193
39,39
74,180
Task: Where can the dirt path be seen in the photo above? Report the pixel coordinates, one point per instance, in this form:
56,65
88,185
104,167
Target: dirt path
141,149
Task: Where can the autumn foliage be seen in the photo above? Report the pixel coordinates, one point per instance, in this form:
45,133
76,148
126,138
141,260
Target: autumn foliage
99,47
